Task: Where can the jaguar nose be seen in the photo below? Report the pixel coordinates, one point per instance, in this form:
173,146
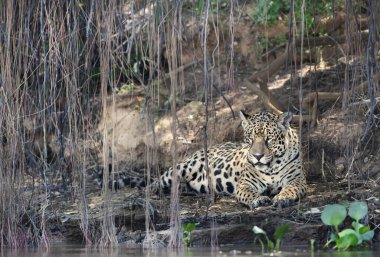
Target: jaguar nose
258,156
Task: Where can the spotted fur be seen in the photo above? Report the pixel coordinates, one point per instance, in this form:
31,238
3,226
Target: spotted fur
118,180
266,168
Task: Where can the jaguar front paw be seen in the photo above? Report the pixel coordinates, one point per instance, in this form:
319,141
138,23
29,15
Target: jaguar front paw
282,201
289,195
260,201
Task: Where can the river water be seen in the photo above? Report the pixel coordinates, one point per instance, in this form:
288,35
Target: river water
65,250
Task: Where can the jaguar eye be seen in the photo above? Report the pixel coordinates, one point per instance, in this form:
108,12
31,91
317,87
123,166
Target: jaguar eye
266,142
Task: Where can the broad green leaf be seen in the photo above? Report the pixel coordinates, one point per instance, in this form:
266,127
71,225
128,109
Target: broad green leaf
258,230
367,236
346,232
356,225
364,229
347,241
280,231
333,237
189,227
334,214
357,210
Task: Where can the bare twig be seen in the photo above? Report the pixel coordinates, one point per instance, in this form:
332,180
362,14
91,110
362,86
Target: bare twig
366,101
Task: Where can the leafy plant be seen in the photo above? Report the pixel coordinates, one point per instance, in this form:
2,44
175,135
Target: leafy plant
200,5
280,231
269,11
335,214
312,245
187,229
261,232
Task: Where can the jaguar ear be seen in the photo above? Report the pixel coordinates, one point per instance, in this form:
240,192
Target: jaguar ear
244,119
285,119
243,116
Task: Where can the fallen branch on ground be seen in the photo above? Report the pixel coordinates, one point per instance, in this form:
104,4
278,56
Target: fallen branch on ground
366,101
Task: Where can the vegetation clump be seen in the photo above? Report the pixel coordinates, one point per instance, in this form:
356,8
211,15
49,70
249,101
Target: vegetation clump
278,234
269,12
187,229
335,214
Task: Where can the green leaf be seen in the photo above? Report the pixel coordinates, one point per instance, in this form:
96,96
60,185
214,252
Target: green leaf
333,237
364,229
270,245
280,231
199,6
367,236
357,226
362,235
188,227
357,210
187,241
346,232
347,241
334,214
258,231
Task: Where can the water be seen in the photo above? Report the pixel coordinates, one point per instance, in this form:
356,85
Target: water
65,250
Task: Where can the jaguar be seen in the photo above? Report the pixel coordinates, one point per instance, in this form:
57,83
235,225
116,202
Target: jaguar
266,168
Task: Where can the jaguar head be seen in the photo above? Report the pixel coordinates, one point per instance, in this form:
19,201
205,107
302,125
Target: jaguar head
266,135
